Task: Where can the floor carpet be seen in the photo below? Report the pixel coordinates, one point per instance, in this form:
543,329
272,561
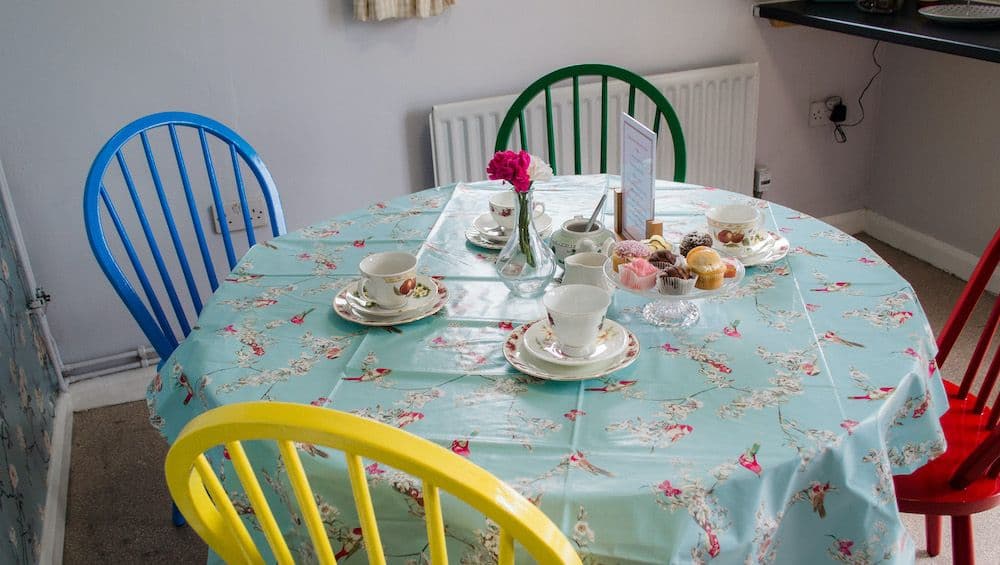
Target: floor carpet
119,511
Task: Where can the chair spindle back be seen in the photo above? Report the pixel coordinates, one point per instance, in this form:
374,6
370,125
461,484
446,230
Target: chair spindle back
516,114
207,505
148,310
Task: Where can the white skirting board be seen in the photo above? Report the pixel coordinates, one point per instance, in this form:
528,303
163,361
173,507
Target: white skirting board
54,527
944,256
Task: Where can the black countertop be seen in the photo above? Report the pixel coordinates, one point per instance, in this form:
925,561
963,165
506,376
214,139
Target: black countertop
905,27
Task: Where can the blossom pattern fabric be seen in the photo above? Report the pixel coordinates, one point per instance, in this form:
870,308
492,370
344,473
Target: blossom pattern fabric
766,433
27,408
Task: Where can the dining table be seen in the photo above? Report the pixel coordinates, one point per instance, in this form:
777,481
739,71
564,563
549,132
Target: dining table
766,432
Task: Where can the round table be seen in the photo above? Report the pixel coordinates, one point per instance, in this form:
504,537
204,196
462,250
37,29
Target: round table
767,432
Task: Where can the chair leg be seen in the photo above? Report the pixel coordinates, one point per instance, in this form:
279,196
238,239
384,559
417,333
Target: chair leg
932,526
962,549
176,516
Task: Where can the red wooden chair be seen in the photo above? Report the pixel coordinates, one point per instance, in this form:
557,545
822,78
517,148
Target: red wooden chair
964,480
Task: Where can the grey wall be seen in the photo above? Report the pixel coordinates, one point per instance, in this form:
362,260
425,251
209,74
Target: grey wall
338,108
937,161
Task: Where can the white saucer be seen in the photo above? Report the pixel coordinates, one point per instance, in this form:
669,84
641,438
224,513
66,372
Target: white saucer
479,240
348,308
487,226
520,359
775,248
540,342
420,298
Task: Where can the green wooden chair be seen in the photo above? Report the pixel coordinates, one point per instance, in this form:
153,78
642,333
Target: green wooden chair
516,113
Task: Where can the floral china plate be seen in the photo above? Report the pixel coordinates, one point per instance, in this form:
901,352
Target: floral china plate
489,230
421,297
540,342
347,307
775,247
518,356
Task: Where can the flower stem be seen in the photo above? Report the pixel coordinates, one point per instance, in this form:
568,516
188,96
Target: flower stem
523,224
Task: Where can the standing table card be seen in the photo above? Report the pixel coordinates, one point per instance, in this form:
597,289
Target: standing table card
638,172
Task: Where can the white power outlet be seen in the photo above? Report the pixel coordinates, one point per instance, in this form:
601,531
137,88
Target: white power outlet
234,215
819,114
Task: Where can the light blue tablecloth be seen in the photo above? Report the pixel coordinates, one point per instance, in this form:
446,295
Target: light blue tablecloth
822,360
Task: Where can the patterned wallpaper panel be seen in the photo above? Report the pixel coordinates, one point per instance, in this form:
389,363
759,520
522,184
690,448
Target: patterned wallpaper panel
27,406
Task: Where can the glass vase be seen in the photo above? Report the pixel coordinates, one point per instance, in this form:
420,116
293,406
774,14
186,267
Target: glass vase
525,264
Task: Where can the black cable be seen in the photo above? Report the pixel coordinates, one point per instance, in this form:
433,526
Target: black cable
864,91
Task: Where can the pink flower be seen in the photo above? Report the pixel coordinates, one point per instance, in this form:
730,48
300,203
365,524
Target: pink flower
867,261
298,319
911,352
809,369
812,307
573,414
374,469
461,447
748,460
932,366
505,326
439,341
333,352
359,243
668,489
732,330
229,329
677,431
922,409
844,546
305,256
669,348
257,349
849,425
511,167
321,401
721,367
407,418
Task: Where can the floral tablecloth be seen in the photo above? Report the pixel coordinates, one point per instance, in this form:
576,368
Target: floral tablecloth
768,432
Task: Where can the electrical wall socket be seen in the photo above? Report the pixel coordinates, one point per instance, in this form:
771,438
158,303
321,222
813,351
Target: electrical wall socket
234,215
819,114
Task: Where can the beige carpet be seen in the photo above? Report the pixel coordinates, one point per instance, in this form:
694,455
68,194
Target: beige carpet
119,511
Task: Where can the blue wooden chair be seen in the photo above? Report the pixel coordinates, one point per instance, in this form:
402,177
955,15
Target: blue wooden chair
156,221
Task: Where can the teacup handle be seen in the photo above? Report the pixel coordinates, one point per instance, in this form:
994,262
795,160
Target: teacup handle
363,289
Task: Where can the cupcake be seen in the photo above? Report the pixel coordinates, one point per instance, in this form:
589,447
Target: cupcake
638,274
706,263
694,239
675,280
626,251
663,259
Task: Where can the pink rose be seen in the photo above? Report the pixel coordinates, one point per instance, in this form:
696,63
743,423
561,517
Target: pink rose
511,167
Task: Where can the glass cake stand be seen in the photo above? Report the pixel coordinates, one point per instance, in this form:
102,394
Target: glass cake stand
676,311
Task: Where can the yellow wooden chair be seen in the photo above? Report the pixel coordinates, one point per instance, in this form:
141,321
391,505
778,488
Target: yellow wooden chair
204,502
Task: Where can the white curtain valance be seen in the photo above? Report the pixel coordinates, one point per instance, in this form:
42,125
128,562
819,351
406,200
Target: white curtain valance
367,10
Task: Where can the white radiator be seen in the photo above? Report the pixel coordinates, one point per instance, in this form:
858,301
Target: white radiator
717,108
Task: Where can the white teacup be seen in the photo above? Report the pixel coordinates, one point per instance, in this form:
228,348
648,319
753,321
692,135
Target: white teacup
576,315
388,278
586,268
502,206
734,226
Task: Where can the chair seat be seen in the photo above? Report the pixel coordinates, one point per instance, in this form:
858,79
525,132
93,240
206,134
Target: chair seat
926,490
